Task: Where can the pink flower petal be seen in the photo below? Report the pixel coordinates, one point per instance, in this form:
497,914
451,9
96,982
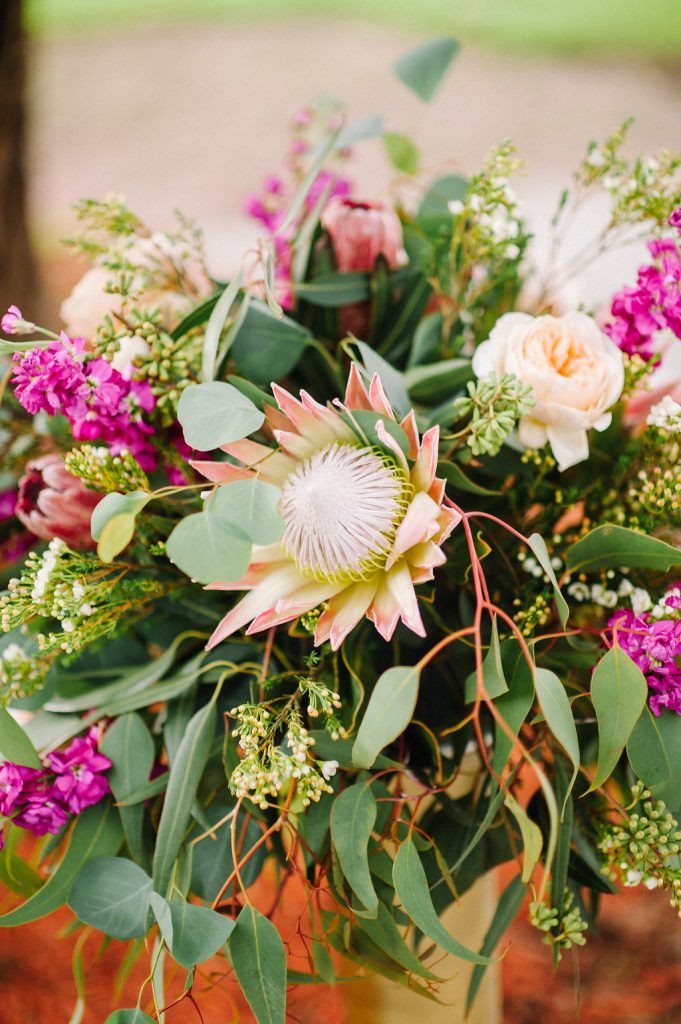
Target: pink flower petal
379,399
389,441
419,524
219,472
423,472
356,395
273,587
295,444
408,425
401,588
344,612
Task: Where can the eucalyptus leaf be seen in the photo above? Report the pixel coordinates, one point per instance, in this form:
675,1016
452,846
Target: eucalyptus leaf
192,934
259,962
15,745
208,548
507,907
389,712
654,751
402,152
252,507
183,782
353,815
112,895
129,746
96,832
134,1016
612,547
618,692
215,325
268,347
539,549
558,714
411,886
531,835
423,68
113,522
214,414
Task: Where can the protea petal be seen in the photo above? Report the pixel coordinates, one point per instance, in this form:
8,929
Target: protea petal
344,612
401,588
379,399
408,425
356,394
220,472
265,595
423,473
419,524
295,444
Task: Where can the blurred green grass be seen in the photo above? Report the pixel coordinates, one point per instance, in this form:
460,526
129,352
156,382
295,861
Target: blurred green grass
643,28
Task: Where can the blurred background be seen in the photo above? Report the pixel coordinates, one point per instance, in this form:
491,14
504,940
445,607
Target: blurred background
186,103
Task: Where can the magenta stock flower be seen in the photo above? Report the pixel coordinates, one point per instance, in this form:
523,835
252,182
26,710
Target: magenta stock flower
97,400
364,523
42,813
54,503
79,781
13,322
16,781
654,303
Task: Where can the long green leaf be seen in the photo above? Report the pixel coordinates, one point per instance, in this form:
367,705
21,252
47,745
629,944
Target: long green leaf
531,834
558,714
538,546
389,712
183,783
15,745
384,932
611,547
654,750
130,747
618,693
97,832
423,69
353,816
192,934
259,961
411,885
216,322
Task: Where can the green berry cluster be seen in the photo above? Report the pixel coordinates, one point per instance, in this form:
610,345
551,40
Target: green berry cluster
494,406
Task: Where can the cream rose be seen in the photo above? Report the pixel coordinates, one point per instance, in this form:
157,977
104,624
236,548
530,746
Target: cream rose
575,371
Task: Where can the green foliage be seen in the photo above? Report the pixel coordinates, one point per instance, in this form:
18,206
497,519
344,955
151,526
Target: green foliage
353,816
402,152
183,783
259,961
14,743
192,934
618,691
112,895
389,711
423,69
96,833
113,522
215,413
654,751
608,547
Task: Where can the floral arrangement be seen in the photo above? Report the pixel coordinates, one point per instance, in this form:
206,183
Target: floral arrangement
346,581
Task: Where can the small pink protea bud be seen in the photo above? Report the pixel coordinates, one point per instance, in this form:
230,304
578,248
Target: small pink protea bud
362,231
54,503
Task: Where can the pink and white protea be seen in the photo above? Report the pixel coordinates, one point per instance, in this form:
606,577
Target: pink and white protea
363,523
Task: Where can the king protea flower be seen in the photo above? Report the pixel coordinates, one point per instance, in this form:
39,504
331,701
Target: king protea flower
363,524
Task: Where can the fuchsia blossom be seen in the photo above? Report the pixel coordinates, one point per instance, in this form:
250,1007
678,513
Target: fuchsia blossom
42,800
654,303
97,400
13,322
655,646
364,523
79,781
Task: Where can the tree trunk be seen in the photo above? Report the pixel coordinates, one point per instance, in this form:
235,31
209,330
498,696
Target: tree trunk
17,269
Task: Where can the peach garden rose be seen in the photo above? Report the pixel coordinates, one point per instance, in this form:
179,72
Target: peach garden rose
575,371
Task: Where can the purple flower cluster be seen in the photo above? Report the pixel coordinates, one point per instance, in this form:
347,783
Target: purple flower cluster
655,646
41,800
97,400
654,303
272,203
